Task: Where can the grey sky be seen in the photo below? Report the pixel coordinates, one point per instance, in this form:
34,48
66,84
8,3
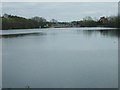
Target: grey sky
61,11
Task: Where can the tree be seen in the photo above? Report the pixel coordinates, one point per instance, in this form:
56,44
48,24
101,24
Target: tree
42,21
53,21
87,18
88,22
15,22
39,19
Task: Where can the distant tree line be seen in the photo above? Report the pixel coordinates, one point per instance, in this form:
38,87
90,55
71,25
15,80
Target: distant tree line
111,21
16,22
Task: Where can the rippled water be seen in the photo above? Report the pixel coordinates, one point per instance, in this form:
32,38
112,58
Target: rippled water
60,58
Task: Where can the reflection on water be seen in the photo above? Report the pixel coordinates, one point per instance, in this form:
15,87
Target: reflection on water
61,58
21,35
111,33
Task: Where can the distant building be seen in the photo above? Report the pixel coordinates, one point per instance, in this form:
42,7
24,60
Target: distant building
75,24
5,15
103,20
60,25
56,24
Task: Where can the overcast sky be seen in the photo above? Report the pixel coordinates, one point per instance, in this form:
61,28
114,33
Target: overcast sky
61,11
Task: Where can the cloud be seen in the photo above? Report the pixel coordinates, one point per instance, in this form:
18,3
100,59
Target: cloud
61,11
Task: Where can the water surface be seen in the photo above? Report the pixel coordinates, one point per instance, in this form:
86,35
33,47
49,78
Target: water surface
60,58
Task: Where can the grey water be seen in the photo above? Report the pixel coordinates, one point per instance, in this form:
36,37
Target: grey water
60,58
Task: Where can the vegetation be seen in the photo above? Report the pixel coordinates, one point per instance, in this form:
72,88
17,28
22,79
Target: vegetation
16,22
111,21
